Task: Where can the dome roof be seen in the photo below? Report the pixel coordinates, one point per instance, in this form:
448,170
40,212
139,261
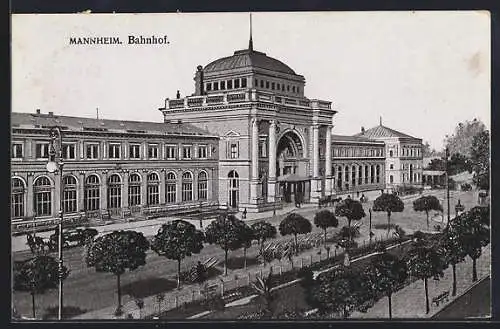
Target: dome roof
248,58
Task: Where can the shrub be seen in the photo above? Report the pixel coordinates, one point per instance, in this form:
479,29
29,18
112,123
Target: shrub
384,226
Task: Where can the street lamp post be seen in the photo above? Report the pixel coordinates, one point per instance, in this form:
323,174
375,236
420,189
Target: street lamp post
53,166
371,233
447,188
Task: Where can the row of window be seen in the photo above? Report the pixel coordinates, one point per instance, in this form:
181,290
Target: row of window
354,175
276,86
407,151
226,84
357,152
405,166
42,192
93,150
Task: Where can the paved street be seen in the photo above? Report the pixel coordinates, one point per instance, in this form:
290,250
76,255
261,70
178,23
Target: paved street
94,291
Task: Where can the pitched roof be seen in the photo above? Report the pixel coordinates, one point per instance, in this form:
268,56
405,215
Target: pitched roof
355,139
381,131
31,120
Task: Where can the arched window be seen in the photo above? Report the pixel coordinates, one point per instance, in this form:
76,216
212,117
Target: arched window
411,173
42,189
17,198
378,173
391,179
366,174
134,190
353,175
234,189
170,188
372,180
187,186
360,173
114,192
339,178
69,194
92,193
202,185
153,189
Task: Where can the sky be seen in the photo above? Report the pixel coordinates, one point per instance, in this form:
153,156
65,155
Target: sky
421,72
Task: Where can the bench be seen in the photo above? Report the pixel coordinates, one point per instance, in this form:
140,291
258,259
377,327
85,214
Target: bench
443,296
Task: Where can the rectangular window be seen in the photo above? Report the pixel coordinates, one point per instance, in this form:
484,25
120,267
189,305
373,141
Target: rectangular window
152,151
186,152
42,150
134,151
287,87
243,82
209,86
92,151
202,151
234,151
216,86
273,85
236,83
278,86
171,151
229,84
171,193
222,85
263,149
262,83
256,82
69,151
114,151
17,150
267,84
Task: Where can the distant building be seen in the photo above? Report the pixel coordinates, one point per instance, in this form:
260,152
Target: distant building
404,157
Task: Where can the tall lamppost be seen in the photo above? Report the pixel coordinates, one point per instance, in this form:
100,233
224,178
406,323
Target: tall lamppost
53,166
371,233
447,187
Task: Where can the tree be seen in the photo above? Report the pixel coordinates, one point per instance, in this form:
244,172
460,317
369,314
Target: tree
247,236
116,252
263,286
351,210
454,252
425,260
36,275
473,236
437,164
481,213
389,203
177,240
325,219
295,224
461,140
480,160
340,291
263,231
427,203
386,274
458,163
226,233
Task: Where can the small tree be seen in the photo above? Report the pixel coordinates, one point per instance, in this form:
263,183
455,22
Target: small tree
263,286
295,224
473,236
263,231
116,252
427,203
425,260
36,275
325,219
226,233
341,291
389,203
247,236
351,210
480,159
177,240
386,274
454,251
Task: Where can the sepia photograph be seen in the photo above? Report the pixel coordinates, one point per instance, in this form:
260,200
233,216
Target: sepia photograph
250,166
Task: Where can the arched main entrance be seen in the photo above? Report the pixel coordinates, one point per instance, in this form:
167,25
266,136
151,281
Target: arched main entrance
291,168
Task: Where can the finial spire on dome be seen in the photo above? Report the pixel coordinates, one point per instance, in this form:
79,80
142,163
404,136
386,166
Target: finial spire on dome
250,42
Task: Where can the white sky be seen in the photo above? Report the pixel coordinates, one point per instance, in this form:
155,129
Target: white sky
423,72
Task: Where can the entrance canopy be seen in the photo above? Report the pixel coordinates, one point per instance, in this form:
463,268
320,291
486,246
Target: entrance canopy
293,178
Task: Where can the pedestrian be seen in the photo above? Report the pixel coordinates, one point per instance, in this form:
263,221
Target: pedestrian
245,213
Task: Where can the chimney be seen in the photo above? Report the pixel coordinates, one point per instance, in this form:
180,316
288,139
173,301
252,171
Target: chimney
37,111
178,94
51,114
198,78
362,130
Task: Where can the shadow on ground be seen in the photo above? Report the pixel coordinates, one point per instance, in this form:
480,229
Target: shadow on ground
148,287
234,263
